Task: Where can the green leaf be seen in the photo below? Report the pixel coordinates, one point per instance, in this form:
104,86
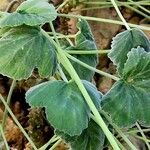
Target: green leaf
129,99
84,41
24,48
91,138
30,12
66,108
123,43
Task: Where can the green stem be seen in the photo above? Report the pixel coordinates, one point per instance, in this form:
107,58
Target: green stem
84,52
92,68
8,102
137,131
55,145
63,76
120,3
62,5
4,138
68,66
17,122
137,11
52,140
104,20
120,15
143,135
141,138
141,7
119,131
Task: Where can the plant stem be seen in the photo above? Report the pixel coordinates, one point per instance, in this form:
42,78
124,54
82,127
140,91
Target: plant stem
63,4
141,7
104,20
53,139
141,138
55,145
17,122
137,11
143,135
8,102
119,131
120,15
63,76
68,66
84,52
3,136
137,131
92,68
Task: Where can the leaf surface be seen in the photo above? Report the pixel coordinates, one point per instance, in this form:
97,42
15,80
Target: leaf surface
84,41
23,49
129,99
123,43
66,108
30,12
91,138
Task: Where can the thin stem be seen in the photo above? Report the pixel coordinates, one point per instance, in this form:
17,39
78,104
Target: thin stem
53,139
120,15
137,11
141,138
120,3
62,5
124,137
17,122
141,7
143,135
68,66
55,145
63,76
137,131
104,20
84,52
8,102
4,138
92,68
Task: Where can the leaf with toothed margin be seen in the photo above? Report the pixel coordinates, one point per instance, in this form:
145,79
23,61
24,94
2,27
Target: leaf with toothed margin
129,99
65,106
84,41
24,48
123,43
30,12
91,138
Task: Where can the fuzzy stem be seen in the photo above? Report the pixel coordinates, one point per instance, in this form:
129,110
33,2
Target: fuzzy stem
55,145
68,66
4,138
84,52
120,15
17,122
92,68
8,102
124,137
143,135
104,20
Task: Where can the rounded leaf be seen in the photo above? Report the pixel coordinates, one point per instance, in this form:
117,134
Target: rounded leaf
66,108
24,48
30,12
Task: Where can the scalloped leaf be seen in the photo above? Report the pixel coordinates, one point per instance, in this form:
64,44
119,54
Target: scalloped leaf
24,48
129,99
84,41
30,12
123,43
91,138
66,108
